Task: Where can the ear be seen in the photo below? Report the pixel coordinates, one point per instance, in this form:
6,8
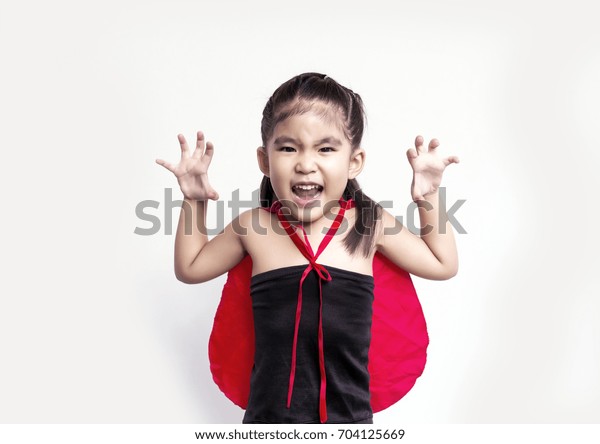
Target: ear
263,160
357,162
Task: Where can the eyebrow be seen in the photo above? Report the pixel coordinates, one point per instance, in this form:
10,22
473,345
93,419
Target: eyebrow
286,139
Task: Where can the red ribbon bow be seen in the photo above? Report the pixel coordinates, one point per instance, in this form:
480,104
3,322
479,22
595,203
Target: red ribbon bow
307,251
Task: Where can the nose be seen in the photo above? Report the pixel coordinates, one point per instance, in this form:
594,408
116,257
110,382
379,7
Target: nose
306,163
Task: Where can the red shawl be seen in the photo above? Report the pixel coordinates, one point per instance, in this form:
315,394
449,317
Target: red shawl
399,337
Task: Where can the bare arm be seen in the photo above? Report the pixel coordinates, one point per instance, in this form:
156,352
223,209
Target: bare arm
196,258
433,254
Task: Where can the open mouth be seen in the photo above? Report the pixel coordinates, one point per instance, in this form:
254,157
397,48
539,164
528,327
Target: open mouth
307,191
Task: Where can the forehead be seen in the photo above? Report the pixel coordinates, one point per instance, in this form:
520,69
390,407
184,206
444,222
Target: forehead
320,115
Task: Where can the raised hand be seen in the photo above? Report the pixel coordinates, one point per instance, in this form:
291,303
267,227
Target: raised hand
192,170
428,168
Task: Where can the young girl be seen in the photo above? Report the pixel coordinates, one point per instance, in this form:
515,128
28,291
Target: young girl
312,245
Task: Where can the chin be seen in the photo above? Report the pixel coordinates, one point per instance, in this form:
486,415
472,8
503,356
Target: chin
308,212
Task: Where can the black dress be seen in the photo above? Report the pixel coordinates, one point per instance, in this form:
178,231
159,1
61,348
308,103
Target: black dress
347,311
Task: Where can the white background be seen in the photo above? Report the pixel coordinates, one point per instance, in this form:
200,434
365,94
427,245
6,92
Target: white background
95,328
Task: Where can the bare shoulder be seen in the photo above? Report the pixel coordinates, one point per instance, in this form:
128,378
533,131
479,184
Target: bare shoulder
266,241
256,221
255,227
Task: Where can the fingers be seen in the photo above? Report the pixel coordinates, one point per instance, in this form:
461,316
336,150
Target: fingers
211,193
203,150
185,150
208,154
419,144
166,164
433,144
451,159
412,154
199,145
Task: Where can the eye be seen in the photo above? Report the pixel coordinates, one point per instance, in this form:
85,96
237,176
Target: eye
287,149
327,149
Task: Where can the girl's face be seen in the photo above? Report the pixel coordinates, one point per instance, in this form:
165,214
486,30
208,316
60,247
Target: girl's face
309,161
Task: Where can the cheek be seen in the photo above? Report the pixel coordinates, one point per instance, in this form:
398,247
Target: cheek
279,178
339,168
277,168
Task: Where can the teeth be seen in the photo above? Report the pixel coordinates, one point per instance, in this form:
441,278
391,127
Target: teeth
307,187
